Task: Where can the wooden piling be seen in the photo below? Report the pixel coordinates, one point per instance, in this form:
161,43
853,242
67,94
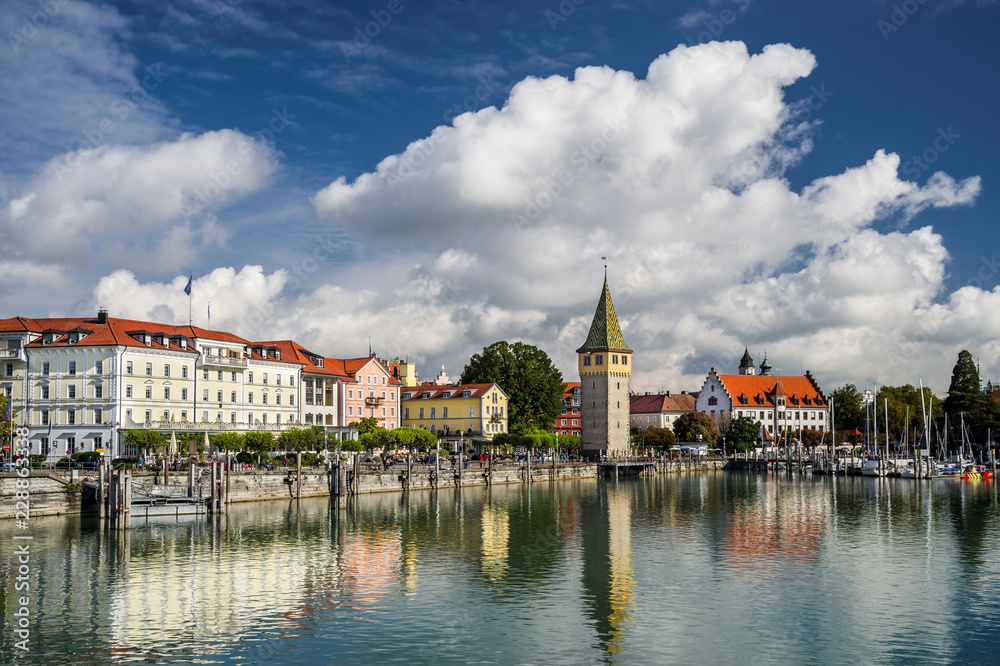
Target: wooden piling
298,475
101,478
214,496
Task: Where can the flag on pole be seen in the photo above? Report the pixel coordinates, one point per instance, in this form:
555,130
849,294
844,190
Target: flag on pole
6,409
187,289
210,312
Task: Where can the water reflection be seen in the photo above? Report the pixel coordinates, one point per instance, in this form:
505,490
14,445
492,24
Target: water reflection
608,574
691,568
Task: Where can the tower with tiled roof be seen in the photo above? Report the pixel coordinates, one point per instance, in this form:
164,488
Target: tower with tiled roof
765,367
604,362
746,363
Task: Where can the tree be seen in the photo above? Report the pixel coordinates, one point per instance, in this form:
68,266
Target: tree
965,401
227,441
570,442
849,408
258,441
742,434
147,439
904,407
659,438
690,425
6,427
527,375
295,439
367,425
964,376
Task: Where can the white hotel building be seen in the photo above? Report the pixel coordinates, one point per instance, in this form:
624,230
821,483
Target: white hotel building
80,384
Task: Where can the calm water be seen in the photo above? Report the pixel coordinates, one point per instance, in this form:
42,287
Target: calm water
714,568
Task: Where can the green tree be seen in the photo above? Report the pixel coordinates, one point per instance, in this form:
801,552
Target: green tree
658,438
527,375
147,439
6,427
227,441
570,442
965,402
295,439
367,426
258,441
351,445
690,425
964,376
849,408
742,434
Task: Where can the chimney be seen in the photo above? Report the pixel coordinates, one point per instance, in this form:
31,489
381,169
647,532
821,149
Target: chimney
668,394
102,316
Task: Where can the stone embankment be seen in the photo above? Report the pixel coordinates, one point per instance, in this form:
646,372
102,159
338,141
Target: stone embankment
56,493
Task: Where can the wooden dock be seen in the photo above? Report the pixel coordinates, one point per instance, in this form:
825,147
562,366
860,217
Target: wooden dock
617,469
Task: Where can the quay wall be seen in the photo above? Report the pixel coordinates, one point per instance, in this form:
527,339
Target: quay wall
54,493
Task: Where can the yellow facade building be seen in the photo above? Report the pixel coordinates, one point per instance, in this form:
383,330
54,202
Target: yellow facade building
456,412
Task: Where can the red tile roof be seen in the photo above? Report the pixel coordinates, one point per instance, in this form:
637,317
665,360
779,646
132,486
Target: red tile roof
293,352
659,403
759,390
438,391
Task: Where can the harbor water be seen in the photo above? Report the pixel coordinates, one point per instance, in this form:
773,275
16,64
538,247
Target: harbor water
723,567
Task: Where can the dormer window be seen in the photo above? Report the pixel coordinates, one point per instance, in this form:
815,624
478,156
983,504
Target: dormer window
466,394
47,339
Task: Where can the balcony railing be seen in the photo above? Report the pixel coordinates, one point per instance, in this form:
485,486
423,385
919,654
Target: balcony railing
17,353
218,426
233,361
372,400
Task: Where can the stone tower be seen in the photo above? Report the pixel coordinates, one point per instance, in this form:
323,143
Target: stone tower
605,366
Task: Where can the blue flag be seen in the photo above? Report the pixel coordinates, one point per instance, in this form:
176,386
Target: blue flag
187,289
6,409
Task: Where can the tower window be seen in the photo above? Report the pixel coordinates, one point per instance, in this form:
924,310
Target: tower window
614,359
624,359
599,359
586,360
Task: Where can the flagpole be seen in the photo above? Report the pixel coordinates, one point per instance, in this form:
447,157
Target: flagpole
190,316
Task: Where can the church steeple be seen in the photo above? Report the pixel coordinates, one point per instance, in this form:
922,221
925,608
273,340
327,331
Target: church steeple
605,333
765,367
746,363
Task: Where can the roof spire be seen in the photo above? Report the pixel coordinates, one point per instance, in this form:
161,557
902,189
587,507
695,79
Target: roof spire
605,333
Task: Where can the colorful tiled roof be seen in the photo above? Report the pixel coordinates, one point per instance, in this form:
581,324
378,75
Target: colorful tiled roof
605,333
659,403
759,390
448,391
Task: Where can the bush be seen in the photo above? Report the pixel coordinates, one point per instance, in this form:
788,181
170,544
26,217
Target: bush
310,459
37,459
86,456
128,462
245,458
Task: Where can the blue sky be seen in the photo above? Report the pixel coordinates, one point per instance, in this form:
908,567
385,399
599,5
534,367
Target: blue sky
738,197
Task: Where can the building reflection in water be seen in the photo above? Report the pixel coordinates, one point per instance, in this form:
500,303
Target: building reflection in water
608,573
495,541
